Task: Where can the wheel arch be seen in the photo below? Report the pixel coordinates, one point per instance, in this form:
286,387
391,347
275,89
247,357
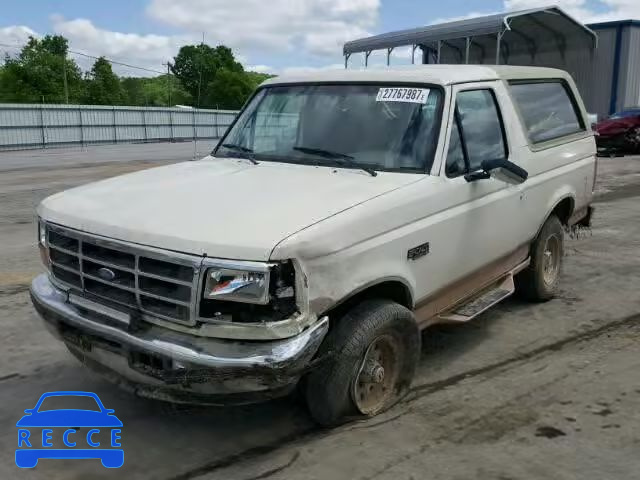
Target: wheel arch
395,289
563,207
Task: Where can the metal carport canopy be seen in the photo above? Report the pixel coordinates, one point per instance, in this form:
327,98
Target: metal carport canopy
531,25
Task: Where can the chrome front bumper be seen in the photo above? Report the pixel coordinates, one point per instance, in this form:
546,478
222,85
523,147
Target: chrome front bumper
162,363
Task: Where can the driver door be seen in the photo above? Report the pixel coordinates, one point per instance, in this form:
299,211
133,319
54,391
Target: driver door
484,215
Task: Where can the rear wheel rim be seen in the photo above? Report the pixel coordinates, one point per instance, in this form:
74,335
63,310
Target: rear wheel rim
375,385
551,260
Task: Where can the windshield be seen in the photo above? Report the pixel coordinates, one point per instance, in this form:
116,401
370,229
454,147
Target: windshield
381,127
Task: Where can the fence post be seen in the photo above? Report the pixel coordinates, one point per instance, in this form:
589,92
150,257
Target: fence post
195,133
193,123
81,125
115,130
171,124
144,122
42,128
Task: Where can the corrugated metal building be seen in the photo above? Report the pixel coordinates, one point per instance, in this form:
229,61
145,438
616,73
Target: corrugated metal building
604,58
615,72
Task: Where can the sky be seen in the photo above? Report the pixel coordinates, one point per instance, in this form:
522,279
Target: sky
274,36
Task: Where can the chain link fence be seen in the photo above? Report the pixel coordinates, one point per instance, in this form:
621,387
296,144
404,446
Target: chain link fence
28,126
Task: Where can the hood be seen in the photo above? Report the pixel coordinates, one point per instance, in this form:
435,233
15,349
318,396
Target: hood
224,208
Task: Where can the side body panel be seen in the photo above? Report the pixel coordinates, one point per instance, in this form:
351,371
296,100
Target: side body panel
558,169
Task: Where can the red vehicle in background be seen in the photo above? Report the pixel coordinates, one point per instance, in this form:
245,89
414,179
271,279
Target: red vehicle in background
620,132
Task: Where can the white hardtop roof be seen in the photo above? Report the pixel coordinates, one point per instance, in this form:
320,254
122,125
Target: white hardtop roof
434,74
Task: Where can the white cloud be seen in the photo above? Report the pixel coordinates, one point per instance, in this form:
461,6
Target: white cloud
259,30
583,10
303,70
260,69
14,35
149,51
462,17
319,27
576,8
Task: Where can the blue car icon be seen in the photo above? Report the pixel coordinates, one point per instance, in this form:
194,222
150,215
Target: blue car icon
34,444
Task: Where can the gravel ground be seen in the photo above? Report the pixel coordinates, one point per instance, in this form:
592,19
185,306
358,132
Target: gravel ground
525,392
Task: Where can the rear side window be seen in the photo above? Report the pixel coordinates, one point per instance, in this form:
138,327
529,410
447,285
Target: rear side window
548,109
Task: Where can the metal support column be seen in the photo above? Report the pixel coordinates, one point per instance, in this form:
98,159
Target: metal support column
389,50
439,51
366,58
346,60
413,54
466,49
498,46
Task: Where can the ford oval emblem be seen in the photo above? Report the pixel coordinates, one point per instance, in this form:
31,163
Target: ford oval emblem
106,274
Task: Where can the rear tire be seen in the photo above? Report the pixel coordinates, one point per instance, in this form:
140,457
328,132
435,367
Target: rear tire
372,356
539,281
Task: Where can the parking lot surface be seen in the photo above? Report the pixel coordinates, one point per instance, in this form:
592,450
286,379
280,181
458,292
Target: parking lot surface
546,391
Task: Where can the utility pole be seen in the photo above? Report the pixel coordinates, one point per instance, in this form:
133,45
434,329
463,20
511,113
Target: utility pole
168,64
195,123
64,79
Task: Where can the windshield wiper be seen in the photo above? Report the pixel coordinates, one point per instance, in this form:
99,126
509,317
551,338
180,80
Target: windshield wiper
341,158
239,148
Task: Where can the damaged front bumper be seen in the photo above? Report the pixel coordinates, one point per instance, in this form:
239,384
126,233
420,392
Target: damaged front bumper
160,363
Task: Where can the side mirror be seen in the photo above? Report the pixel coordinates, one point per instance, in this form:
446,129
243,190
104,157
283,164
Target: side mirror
501,169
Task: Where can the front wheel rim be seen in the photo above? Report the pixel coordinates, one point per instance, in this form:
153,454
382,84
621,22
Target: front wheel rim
374,386
551,260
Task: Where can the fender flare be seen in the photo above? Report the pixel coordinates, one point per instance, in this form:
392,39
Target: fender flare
558,200
408,292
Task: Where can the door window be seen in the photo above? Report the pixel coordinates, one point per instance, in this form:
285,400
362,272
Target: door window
477,134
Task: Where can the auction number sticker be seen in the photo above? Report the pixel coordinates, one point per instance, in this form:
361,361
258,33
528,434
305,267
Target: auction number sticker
403,94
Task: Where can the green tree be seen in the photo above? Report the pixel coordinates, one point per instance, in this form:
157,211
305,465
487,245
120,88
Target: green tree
228,90
133,91
154,91
204,76
41,70
198,66
257,78
103,86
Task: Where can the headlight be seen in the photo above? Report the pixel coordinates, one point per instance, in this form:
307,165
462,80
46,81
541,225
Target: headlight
42,233
42,243
237,285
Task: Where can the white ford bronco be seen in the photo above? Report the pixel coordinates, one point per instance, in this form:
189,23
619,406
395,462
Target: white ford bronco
341,214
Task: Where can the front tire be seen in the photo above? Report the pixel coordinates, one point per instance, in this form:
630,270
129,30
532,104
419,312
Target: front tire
539,281
372,356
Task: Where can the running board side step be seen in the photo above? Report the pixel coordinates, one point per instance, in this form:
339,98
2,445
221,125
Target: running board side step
480,302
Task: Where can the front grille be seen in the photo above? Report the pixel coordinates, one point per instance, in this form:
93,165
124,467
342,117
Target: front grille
160,284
